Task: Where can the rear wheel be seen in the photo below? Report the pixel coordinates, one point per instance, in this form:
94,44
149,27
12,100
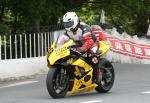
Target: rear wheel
108,76
57,82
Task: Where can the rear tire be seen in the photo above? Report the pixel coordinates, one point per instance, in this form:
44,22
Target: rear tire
51,83
108,76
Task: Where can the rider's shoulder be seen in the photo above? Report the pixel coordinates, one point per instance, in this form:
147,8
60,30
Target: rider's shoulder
84,26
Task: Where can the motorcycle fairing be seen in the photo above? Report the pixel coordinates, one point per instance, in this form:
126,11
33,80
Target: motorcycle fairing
60,52
82,84
104,47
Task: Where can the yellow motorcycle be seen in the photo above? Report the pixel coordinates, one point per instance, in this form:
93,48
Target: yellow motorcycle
71,72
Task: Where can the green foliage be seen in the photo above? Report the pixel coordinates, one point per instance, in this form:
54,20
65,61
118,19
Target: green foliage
32,14
128,15
3,29
19,15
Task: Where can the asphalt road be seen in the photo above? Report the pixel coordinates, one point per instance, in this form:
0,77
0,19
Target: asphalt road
132,85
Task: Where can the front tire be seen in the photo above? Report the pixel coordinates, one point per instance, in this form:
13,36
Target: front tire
108,76
57,85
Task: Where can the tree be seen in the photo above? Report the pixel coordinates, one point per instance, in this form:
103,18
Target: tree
125,15
34,13
19,15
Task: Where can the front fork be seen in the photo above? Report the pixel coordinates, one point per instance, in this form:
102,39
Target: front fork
97,73
63,77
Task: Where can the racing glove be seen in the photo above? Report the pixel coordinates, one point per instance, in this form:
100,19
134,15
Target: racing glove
81,49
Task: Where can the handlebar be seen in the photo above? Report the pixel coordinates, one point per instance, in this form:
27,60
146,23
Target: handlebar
74,49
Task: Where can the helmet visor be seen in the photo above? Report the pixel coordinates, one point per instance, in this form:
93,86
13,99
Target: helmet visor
68,24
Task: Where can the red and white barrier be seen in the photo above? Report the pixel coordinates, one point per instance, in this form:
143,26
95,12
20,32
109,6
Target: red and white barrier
129,48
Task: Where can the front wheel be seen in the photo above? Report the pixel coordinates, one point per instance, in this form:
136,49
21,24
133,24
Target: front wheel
57,82
108,76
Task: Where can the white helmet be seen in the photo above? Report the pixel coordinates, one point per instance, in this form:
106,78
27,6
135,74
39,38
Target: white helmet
70,20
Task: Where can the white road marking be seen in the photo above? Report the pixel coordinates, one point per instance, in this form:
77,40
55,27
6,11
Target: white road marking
147,92
20,83
93,101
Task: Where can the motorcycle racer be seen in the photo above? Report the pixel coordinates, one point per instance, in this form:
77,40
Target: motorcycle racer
78,31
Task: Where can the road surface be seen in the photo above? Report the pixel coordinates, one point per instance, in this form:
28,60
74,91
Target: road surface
132,85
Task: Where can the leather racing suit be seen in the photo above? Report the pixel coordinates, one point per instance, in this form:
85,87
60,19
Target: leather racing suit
82,37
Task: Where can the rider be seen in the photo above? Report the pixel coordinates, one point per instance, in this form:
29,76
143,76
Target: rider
80,32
